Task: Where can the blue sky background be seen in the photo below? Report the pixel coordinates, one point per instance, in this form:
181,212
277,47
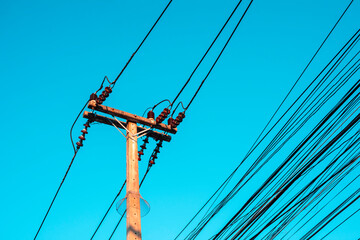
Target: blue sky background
53,55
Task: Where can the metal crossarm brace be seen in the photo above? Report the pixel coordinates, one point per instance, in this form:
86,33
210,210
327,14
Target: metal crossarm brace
109,121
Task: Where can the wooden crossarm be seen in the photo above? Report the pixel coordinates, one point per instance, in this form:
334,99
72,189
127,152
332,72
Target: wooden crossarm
131,117
102,119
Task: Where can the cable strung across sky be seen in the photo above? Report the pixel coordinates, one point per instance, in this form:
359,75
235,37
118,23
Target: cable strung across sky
327,85
311,149
318,129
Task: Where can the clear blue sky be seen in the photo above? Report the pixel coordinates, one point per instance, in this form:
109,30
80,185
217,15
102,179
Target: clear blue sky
54,54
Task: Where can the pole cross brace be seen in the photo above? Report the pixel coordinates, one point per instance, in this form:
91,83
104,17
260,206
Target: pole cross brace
120,124
132,136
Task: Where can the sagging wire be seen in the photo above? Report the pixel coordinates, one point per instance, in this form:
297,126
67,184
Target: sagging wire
218,57
82,109
175,122
207,51
142,42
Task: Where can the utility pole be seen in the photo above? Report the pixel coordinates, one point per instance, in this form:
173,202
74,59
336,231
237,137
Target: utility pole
133,215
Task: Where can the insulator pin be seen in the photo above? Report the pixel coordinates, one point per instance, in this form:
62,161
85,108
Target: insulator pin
170,121
93,96
151,114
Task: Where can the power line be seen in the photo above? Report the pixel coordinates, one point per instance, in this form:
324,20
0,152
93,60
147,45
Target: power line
218,57
142,42
338,225
112,203
52,202
207,51
353,40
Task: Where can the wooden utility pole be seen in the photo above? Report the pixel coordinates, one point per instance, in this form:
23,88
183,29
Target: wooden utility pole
133,215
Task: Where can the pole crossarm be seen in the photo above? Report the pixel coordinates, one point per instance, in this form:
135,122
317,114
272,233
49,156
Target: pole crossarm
109,121
131,117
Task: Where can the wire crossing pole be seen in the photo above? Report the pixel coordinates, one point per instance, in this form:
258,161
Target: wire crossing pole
133,217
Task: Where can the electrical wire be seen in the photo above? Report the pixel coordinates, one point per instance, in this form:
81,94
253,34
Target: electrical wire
354,35
112,203
323,42
218,57
338,225
72,126
207,51
82,109
142,42
53,200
